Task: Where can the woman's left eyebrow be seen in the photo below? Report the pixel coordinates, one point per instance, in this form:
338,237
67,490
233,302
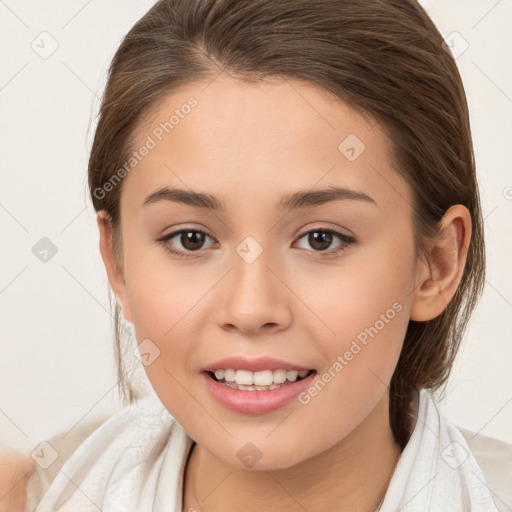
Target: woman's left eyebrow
293,201
308,198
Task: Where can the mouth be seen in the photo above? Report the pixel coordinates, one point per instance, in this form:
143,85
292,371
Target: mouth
259,391
264,380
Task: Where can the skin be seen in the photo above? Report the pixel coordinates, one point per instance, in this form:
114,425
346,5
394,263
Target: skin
15,470
248,145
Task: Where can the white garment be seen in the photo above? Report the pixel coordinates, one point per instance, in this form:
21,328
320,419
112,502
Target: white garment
135,462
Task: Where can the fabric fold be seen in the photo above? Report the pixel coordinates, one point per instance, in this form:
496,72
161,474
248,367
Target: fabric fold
437,471
135,462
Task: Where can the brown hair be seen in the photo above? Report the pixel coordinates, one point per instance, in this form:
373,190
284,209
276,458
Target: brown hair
383,57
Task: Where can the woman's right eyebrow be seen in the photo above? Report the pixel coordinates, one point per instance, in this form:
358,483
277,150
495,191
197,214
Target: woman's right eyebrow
178,195
293,201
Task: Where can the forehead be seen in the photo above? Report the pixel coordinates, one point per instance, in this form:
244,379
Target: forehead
245,141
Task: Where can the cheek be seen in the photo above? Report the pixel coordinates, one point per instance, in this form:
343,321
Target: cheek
162,299
353,296
363,306
368,319
160,291
166,310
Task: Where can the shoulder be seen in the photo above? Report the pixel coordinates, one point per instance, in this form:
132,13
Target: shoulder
495,460
15,469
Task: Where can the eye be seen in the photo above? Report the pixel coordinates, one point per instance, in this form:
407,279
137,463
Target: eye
321,239
191,240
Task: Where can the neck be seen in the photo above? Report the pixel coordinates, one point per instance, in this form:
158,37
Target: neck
352,475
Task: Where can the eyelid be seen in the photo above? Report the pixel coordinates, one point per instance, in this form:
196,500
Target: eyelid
345,241
324,227
165,238
344,238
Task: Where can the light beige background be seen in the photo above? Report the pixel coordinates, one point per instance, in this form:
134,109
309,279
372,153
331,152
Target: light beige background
56,364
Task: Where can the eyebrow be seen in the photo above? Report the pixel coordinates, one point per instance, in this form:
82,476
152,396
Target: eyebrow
296,200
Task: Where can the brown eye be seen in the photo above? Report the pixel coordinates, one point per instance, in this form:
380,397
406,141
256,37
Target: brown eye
320,240
192,240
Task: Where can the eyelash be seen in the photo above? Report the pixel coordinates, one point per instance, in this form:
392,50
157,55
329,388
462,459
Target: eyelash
347,240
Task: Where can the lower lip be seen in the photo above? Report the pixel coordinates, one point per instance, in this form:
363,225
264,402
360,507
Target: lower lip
255,402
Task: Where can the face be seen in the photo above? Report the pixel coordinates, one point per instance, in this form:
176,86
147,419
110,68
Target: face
323,283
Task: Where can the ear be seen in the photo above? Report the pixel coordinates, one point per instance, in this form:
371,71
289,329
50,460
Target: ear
438,281
115,272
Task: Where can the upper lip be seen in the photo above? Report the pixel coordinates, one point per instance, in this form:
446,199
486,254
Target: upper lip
253,365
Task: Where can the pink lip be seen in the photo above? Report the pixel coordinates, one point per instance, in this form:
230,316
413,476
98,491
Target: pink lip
253,365
255,402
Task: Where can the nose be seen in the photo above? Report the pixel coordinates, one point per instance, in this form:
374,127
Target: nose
254,297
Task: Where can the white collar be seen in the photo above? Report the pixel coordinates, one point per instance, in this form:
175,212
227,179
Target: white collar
136,462
436,470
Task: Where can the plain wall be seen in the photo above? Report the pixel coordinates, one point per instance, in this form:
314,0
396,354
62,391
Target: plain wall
57,366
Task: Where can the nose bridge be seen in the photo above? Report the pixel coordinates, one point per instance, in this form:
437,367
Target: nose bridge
253,296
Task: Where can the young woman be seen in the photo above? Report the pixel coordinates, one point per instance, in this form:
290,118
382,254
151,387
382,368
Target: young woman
289,217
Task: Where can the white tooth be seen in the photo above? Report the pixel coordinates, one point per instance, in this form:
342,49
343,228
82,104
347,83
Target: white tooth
229,375
292,375
263,378
242,387
261,388
274,386
279,376
244,377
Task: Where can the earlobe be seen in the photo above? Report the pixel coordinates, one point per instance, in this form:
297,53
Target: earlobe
114,270
440,277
